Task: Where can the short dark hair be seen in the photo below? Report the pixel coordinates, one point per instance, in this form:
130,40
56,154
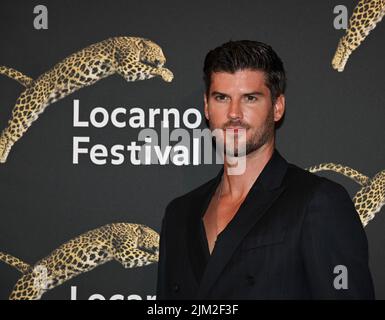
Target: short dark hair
233,56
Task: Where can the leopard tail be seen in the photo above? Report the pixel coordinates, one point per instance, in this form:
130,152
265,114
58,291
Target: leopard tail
16,75
15,262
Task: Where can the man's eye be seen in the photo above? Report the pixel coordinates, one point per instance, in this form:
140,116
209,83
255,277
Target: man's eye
220,98
251,98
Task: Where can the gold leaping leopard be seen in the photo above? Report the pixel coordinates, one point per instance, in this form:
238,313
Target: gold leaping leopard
370,198
132,58
133,245
365,17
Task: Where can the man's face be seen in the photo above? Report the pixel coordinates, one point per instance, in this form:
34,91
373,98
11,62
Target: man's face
241,100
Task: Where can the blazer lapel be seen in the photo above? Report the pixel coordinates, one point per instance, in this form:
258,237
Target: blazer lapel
262,195
196,244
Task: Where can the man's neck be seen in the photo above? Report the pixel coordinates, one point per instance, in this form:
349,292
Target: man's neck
237,186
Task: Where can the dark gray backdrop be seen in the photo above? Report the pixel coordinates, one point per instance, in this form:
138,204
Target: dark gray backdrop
45,200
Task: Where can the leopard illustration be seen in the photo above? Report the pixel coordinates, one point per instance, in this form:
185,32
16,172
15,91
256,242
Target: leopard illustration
133,245
131,57
365,17
370,198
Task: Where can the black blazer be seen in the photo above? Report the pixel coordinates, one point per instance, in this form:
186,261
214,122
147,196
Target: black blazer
286,242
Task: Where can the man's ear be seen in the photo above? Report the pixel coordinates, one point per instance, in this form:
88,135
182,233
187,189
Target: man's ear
279,108
206,107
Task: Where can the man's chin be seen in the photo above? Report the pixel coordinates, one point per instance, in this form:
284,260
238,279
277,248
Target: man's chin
235,153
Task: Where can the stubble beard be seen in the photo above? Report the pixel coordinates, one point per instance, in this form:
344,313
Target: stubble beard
260,137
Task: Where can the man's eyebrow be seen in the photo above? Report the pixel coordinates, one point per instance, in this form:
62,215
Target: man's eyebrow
219,93
254,93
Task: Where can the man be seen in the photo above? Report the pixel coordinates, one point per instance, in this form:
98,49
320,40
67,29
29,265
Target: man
275,231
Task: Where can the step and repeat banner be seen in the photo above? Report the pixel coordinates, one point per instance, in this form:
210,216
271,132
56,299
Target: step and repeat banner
102,125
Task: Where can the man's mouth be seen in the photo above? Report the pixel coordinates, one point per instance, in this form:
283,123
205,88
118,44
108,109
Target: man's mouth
235,129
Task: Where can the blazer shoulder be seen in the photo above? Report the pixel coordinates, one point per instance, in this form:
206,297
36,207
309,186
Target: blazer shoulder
311,182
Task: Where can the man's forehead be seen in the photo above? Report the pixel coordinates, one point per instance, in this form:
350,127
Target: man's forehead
241,80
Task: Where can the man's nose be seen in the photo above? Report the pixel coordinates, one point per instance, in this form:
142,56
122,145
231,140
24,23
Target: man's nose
235,110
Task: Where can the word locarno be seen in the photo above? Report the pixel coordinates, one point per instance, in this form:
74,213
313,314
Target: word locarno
97,296
100,117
